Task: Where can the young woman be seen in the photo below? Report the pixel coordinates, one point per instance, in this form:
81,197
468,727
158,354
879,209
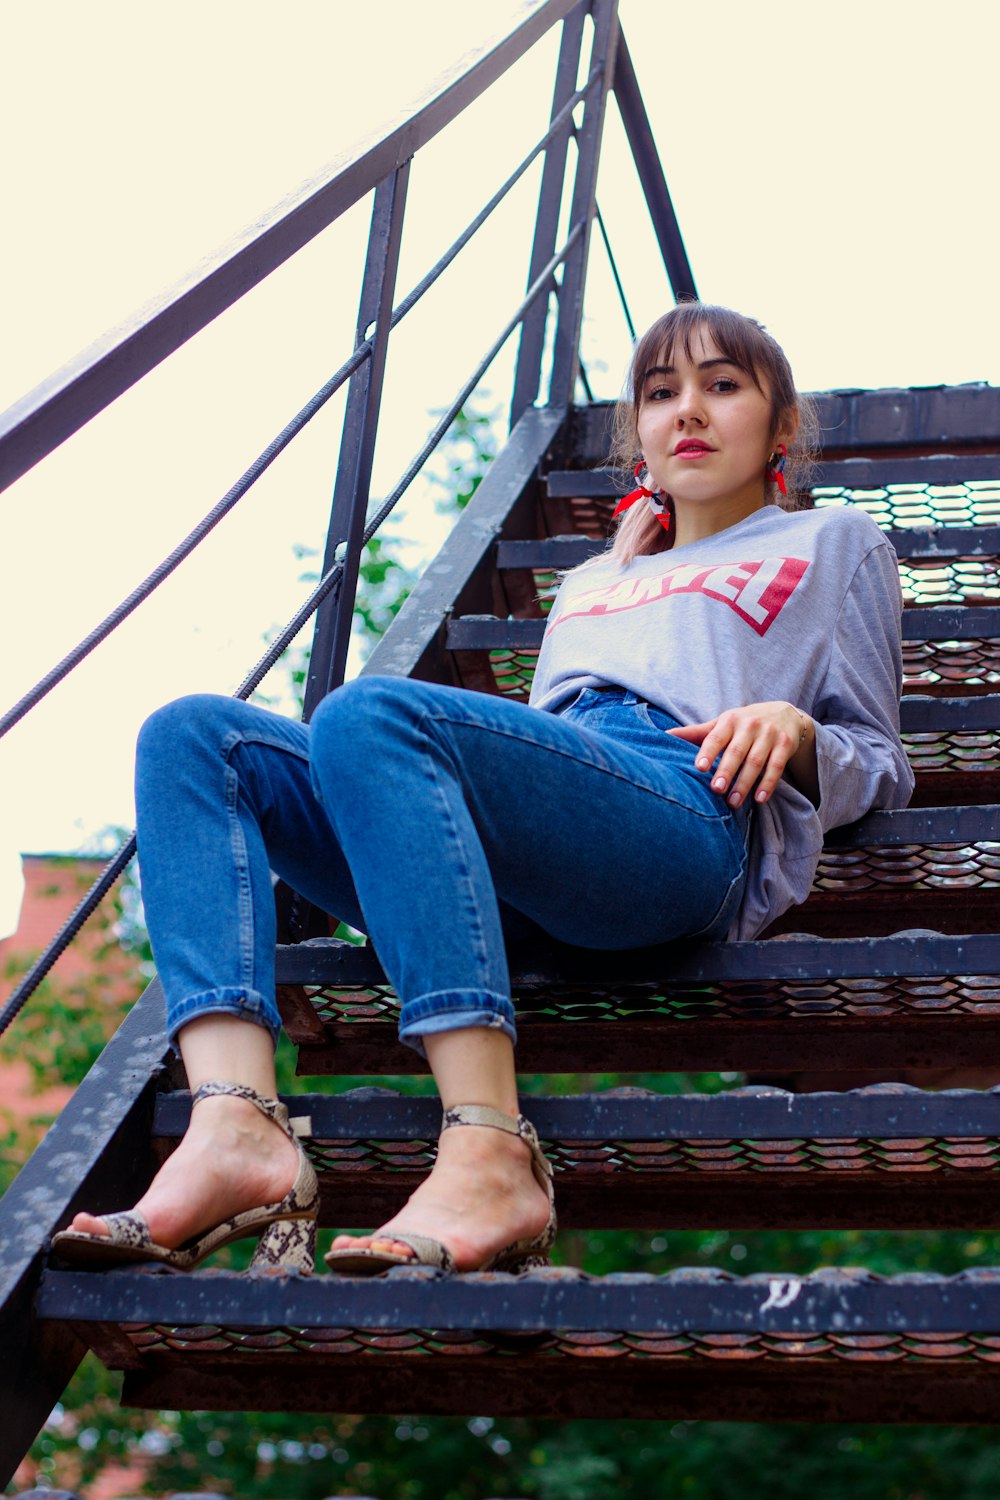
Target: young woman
711,695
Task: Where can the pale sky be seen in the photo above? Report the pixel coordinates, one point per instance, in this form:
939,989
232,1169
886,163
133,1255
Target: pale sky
832,166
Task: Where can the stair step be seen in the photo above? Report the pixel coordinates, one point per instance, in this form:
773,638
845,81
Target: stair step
920,544
837,1344
912,1000
945,623
923,954
940,470
944,657
939,566
577,503
888,1156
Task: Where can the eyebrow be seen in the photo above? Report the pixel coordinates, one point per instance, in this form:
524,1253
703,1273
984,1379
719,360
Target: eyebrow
705,364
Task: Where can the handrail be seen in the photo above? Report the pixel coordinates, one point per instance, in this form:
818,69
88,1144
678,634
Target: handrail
60,405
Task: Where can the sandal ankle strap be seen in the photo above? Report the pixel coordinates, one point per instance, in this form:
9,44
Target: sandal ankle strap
272,1108
485,1114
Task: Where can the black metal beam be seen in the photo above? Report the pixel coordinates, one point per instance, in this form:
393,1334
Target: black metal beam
703,1301
566,345
942,542
335,616
918,825
943,623
756,1113
650,173
408,646
925,715
529,355
98,1155
326,961
840,473
938,420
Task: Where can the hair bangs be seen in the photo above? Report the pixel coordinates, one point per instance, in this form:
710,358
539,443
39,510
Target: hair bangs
731,334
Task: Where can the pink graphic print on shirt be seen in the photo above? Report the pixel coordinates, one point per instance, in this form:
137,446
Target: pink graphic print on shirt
757,591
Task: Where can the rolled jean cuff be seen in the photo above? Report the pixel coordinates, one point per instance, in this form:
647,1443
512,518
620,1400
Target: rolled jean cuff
245,1005
454,1010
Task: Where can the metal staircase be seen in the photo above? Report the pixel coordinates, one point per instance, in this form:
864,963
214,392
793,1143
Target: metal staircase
892,966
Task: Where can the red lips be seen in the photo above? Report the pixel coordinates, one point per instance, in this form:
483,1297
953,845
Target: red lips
691,445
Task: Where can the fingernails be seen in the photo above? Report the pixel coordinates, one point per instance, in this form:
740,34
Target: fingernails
735,800
761,796
719,783
702,763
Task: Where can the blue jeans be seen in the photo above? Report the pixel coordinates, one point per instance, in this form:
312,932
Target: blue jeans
440,822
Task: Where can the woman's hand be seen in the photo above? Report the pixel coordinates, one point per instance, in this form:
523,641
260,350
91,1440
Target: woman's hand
757,743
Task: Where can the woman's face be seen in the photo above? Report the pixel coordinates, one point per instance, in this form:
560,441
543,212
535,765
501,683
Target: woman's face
705,432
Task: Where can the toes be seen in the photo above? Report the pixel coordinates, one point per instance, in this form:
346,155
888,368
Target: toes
88,1224
381,1244
392,1247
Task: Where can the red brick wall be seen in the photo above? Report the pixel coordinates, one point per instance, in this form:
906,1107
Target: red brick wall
53,887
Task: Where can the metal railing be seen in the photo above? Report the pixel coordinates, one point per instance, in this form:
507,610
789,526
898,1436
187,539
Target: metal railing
45,418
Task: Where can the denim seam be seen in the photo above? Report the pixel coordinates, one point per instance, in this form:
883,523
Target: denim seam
720,910
238,737
235,1000
241,866
738,880
481,954
236,740
484,999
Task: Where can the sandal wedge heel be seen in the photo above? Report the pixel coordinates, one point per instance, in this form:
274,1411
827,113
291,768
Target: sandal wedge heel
287,1228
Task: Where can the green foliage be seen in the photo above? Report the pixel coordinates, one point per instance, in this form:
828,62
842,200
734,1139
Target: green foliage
384,585
385,579
466,453
64,1026
451,1458
11,1156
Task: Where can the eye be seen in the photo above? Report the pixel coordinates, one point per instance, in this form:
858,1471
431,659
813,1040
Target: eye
659,393
725,384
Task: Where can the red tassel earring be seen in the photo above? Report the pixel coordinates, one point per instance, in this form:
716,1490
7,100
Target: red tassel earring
655,498
775,467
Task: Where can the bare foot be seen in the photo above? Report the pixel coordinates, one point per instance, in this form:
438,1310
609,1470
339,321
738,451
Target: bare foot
232,1158
480,1197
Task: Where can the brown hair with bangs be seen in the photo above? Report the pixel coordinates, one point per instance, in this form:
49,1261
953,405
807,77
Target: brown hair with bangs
748,345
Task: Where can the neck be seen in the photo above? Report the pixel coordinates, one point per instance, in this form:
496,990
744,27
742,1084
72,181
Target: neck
693,522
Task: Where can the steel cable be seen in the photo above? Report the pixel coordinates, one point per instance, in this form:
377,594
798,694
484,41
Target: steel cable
614,271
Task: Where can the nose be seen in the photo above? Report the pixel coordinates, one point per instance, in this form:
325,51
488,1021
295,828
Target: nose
690,408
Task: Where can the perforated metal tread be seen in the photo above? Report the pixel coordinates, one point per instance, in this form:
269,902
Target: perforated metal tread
689,1343
912,1000
887,1156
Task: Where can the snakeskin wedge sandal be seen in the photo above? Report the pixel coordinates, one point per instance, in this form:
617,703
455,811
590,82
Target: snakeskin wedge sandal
287,1228
520,1256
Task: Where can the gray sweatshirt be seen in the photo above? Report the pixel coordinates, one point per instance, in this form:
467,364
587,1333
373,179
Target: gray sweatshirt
802,606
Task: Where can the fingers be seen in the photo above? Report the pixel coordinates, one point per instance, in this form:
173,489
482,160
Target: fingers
753,746
777,761
694,733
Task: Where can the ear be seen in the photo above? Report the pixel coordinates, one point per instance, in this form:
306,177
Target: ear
787,429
